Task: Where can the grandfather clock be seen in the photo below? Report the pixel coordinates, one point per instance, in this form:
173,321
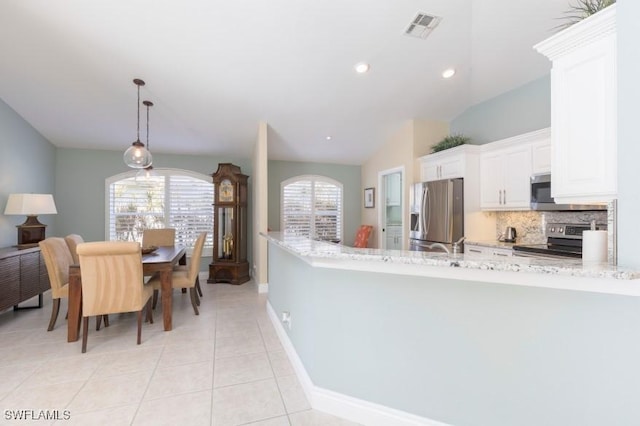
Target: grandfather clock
229,264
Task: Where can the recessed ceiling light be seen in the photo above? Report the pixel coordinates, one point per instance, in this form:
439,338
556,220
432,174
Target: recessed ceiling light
329,138
362,67
448,73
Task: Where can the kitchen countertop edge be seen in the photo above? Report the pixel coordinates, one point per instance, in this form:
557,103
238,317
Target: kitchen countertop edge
558,273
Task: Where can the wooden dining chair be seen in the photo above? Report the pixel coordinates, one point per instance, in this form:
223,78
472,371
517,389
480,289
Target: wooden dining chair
188,277
159,237
57,259
112,282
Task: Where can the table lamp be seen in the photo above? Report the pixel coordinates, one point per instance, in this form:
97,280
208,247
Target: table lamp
31,205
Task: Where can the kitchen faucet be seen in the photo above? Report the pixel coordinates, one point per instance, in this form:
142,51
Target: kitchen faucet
438,245
456,246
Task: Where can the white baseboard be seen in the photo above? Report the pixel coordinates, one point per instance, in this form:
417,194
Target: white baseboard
337,404
263,288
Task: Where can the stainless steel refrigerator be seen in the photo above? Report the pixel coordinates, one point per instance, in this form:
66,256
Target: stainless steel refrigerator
437,214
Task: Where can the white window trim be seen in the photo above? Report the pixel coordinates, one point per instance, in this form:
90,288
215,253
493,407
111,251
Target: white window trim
207,251
313,178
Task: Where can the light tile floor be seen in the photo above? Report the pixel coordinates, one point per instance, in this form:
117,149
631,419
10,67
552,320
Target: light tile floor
223,367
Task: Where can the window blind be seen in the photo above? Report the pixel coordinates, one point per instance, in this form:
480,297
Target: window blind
175,199
311,206
190,209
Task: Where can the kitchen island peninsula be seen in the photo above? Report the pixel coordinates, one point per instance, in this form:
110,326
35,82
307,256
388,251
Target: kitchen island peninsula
386,337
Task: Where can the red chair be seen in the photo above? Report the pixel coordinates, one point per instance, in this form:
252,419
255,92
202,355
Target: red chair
362,237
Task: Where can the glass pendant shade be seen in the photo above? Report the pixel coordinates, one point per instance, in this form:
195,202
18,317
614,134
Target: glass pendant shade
137,156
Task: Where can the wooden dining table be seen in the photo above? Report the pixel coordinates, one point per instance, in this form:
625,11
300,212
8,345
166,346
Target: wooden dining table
161,260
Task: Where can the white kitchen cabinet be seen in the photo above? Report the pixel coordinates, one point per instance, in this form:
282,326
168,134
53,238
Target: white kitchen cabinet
504,178
541,157
583,109
500,252
393,189
476,250
447,164
394,237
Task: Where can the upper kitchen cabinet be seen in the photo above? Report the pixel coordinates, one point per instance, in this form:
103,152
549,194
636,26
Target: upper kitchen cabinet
447,164
506,167
504,178
541,155
583,109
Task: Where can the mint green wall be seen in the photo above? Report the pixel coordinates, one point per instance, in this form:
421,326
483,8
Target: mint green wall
628,140
521,110
463,352
27,162
80,180
349,176
80,177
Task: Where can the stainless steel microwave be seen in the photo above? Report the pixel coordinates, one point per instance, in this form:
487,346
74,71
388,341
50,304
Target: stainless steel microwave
542,200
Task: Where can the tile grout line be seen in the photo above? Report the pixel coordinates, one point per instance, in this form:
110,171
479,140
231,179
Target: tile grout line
155,368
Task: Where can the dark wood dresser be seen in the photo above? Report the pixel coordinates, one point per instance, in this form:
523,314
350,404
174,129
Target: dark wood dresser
23,275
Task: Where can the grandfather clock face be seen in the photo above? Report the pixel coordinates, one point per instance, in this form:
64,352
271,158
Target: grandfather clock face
225,193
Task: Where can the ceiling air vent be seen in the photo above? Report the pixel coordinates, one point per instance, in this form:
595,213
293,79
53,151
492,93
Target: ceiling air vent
422,25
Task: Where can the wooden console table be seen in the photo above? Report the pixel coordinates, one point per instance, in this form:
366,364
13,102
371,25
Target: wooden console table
23,275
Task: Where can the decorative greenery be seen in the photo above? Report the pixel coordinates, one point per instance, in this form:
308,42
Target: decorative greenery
583,9
450,142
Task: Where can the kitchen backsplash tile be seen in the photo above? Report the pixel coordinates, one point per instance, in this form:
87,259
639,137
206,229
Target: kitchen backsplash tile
530,225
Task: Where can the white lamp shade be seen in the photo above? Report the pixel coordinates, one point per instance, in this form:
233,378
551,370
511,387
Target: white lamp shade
30,204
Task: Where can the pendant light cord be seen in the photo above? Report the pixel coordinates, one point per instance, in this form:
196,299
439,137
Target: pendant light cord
148,104
138,112
148,126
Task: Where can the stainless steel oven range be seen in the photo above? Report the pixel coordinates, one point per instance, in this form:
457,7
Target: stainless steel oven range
564,240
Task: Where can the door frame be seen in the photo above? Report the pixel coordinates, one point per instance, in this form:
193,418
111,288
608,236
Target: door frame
382,197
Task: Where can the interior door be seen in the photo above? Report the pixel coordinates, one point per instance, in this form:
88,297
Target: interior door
391,210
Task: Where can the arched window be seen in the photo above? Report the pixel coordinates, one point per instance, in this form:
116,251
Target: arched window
173,198
311,206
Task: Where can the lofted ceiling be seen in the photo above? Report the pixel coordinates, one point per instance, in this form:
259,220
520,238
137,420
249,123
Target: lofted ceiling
214,69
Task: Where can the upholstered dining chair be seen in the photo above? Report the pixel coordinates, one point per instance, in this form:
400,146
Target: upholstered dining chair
362,237
57,258
112,282
188,277
159,237
72,241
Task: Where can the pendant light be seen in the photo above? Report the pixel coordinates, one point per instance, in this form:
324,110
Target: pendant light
147,172
138,156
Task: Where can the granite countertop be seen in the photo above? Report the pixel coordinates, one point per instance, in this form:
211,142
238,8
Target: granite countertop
307,248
